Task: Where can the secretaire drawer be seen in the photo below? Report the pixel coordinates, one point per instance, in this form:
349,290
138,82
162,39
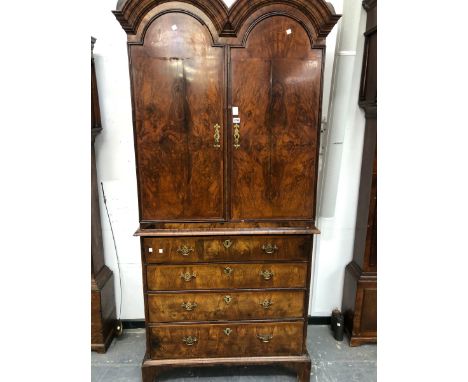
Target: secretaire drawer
212,306
221,276
225,340
223,248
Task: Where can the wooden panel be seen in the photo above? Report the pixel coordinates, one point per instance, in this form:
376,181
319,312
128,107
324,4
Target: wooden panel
226,248
211,341
276,85
178,81
368,90
103,314
370,253
220,276
165,307
369,312
96,319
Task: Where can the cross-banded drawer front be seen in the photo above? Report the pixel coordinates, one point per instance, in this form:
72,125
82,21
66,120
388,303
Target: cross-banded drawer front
224,248
225,340
212,306
221,276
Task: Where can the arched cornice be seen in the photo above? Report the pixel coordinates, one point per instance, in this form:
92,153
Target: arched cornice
228,22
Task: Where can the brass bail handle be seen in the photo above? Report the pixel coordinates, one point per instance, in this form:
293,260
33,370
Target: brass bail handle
189,306
265,337
190,340
269,248
187,276
267,274
184,250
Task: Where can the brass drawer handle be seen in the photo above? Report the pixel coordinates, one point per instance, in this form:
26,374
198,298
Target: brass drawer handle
267,275
265,338
227,299
216,136
184,250
269,248
236,136
228,271
188,306
227,243
187,276
190,340
266,304
227,331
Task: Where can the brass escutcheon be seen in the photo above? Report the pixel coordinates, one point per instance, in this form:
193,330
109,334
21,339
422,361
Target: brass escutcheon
227,243
227,299
266,304
228,271
216,136
187,276
264,338
269,248
184,250
190,340
227,331
189,305
267,275
236,136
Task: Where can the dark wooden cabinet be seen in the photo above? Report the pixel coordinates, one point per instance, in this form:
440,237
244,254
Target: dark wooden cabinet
103,312
226,111
360,286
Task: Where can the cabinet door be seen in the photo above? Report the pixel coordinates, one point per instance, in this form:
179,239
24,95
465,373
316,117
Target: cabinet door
276,83
178,91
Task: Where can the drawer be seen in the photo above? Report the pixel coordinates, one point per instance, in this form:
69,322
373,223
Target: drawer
223,276
223,248
215,306
226,340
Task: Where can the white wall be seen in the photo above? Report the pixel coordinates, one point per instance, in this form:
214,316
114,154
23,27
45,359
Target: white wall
339,161
340,167
115,158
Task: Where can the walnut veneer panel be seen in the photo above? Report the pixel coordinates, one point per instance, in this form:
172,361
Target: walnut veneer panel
178,91
226,248
212,340
232,305
276,83
222,276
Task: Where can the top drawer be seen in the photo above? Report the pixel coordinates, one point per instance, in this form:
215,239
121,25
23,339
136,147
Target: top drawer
225,248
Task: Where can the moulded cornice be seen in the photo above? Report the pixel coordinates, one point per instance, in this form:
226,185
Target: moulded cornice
228,21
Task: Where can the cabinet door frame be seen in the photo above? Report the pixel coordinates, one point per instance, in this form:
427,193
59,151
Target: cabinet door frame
223,92
316,45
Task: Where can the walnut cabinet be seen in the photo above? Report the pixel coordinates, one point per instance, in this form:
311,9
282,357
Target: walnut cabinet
226,119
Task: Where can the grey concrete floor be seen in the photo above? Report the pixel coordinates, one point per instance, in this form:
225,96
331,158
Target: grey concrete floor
332,361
